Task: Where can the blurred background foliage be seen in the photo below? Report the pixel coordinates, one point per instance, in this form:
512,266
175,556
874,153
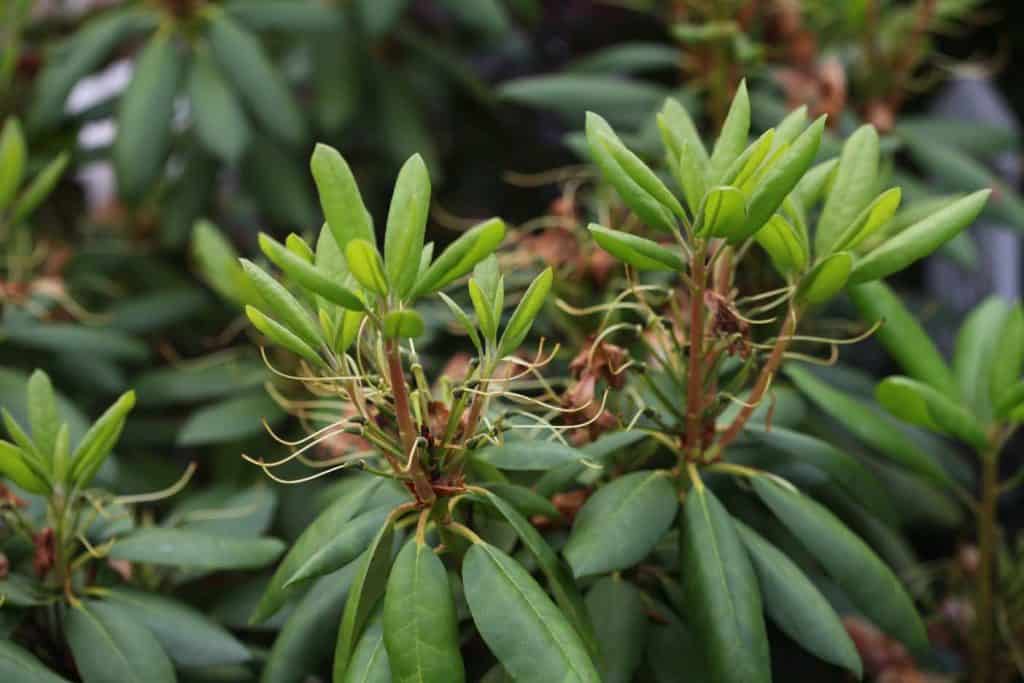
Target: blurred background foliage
152,141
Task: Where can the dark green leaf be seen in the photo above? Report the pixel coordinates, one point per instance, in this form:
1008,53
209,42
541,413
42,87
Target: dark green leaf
109,646
220,121
19,666
193,549
229,420
620,619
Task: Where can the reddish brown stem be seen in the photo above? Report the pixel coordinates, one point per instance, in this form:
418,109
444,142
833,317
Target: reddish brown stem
763,381
695,365
406,427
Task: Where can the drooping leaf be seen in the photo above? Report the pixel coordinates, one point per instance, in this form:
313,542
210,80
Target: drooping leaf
507,603
369,658
144,119
193,549
621,523
795,604
923,405
221,124
902,336
420,625
19,665
108,645
347,544
249,69
189,638
620,620
865,579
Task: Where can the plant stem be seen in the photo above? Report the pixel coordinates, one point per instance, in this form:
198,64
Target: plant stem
987,530
695,369
763,380
406,428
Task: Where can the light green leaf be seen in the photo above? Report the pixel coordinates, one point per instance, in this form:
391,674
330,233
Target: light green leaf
461,256
1008,357
14,466
407,223
283,305
974,353
925,406
874,216
783,244
97,443
404,324
342,203
39,188
13,154
722,213
853,188
522,318
733,138
826,279
639,252
281,335
920,239
218,264
364,263
307,275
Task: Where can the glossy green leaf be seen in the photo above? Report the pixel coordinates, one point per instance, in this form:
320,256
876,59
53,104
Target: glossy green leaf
632,180
302,649
97,443
404,324
866,580
347,544
192,549
722,213
190,638
526,311
368,586
281,335
639,252
526,502
484,310
621,523
407,222
461,256
920,239
557,573
39,188
843,469
230,420
796,605
620,619
902,336
1011,399
923,405
308,275
507,603
248,68
974,353
721,594
108,645
463,319
144,118
733,138
283,305
748,166
364,263
782,242
529,455
313,540
420,625
870,427
369,658
18,665
826,279
13,154
854,186
221,124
